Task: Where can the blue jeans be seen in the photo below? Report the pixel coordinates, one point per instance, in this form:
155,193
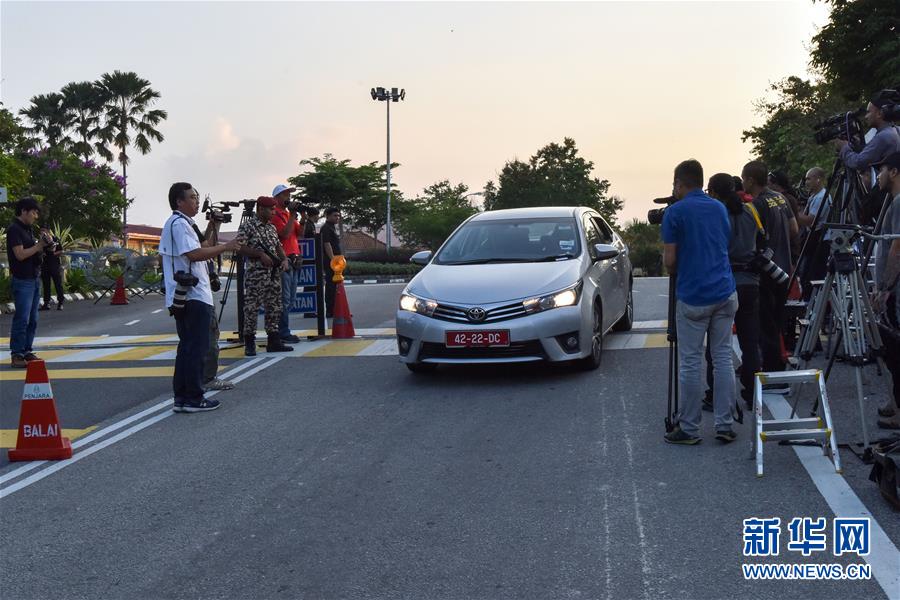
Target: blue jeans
694,324
193,344
289,281
26,296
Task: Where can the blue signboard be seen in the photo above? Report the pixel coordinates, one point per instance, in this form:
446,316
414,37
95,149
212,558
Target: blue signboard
307,248
304,302
306,275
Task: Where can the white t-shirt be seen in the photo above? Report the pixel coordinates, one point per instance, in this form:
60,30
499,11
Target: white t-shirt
178,237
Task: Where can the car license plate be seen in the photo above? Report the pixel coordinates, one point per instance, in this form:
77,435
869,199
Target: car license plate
478,339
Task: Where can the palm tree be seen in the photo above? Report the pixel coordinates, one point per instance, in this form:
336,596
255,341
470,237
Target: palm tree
49,118
127,99
84,103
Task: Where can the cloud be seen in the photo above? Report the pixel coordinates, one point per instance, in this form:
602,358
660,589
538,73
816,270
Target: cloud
224,138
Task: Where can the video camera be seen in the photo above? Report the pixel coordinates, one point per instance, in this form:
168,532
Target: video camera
220,212
300,205
655,215
843,126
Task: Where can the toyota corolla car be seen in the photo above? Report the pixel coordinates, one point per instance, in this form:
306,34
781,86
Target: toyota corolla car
529,284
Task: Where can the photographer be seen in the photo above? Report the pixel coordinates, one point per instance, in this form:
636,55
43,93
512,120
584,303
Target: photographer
813,267
696,233
262,277
309,223
781,227
885,142
887,274
23,253
331,247
52,270
188,295
745,242
284,218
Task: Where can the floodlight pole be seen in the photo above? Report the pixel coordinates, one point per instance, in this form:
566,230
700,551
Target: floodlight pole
387,232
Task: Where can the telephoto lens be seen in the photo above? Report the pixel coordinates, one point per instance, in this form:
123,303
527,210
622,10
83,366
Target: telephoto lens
180,297
764,264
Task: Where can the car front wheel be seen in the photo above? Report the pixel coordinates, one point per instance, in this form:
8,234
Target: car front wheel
592,360
627,320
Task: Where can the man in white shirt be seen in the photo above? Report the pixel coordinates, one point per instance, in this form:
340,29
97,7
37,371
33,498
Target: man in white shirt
190,301
814,263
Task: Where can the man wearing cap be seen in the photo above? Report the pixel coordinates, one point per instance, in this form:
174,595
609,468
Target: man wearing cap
266,262
885,142
23,253
887,276
284,218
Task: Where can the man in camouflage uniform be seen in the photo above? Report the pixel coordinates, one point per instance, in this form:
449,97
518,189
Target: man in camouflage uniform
262,276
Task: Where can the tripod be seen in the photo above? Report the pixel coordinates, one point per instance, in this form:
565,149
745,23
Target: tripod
672,337
237,264
845,293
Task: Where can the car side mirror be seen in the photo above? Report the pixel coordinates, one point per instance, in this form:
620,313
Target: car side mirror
605,252
421,258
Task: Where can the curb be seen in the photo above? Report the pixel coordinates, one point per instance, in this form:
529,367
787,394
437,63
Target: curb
9,308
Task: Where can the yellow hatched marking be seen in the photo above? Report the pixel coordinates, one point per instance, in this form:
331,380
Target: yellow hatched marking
8,437
163,337
98,373
76,340
136,353
233,352
340,348
656,340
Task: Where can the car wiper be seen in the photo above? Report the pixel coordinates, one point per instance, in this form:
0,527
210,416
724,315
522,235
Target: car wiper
484,261
555,257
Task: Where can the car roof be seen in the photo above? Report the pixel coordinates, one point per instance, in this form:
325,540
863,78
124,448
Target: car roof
530,213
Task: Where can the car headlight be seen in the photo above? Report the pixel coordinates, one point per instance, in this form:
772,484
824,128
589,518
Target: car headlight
417,305
566,297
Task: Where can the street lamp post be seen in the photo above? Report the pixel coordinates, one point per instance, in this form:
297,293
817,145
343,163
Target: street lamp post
381,94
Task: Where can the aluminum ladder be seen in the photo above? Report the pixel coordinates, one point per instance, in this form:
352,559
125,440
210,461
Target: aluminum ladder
812,428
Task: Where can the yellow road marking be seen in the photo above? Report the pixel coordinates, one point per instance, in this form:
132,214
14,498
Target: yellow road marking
98,373
136,353
340,348
50,354
656,340
8,436
163,337
77,340
232,352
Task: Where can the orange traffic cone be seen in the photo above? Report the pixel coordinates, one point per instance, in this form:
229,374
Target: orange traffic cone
342,327
40,435
119,295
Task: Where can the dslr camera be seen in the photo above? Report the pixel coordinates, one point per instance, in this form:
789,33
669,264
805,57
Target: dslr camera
183,281
300,205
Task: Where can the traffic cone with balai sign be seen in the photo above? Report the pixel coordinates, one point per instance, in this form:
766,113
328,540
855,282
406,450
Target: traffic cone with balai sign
40,435
342,326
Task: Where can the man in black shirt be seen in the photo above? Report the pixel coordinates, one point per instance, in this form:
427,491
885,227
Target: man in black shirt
52,270
23,253
331,245
309,222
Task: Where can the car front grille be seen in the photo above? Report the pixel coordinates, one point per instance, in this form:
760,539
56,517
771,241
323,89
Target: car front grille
529,349
457,314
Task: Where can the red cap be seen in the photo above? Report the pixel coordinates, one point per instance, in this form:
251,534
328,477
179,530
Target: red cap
265,201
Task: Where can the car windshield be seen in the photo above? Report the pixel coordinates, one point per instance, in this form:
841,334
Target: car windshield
512,240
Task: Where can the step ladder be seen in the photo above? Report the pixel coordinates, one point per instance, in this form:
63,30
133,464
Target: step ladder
812,428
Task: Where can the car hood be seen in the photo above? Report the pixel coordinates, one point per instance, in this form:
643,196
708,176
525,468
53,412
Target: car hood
487,284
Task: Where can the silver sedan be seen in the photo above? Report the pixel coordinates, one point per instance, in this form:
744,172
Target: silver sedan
520,285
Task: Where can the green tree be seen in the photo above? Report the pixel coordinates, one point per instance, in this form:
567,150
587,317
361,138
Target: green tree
75,193
858,51
49,121
14,174
644,246
785,139
84,102
130,120
359,192
430,219
555,176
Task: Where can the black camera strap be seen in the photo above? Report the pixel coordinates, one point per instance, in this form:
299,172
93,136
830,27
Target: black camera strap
200,238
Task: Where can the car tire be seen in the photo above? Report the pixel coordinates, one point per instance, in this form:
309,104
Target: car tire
592,360
627,320
420,368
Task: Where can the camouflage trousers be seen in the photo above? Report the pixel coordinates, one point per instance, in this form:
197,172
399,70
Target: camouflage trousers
261,290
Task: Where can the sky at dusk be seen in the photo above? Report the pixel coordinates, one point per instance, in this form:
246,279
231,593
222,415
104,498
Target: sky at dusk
253,88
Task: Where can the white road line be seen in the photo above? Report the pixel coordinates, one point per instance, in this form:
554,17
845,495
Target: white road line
884,557
649,324
158,310
132,322
116,426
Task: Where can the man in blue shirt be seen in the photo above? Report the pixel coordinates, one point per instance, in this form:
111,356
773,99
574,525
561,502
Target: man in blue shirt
696,232
885,142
